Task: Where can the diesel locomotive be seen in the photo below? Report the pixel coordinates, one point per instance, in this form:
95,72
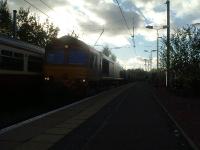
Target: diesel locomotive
74,64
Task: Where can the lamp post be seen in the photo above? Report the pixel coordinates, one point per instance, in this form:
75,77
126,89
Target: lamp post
150,57
168,44
145,64
157,29
14,23
158,51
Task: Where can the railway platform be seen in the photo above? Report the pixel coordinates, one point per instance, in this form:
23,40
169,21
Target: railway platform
127,117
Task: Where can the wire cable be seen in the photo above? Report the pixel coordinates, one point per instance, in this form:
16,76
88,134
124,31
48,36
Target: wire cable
37,9
47,5
126,24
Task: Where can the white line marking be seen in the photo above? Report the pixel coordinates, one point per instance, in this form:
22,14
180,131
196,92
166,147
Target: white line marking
192,144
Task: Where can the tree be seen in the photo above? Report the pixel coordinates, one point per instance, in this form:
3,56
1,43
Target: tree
106,51
184,57
31,30
5,19
113,57
51,31
136,74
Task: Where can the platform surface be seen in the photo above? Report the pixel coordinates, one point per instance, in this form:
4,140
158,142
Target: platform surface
123,118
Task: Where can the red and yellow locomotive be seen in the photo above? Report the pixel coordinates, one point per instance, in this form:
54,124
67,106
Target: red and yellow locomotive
74,64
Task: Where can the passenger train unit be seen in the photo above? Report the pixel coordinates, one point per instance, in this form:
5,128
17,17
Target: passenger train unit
20,63
74,64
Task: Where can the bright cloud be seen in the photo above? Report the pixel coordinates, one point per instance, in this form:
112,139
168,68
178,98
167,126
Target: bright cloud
132,63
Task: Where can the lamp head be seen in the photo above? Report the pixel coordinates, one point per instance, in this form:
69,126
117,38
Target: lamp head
164,27
149,27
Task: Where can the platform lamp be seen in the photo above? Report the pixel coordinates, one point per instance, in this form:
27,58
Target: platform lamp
157,29
150,57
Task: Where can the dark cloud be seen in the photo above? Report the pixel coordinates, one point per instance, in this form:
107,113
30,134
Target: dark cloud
115,23
186,20
130,6
20,3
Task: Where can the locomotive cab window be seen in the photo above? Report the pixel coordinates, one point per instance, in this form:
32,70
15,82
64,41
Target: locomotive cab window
55,57
77,56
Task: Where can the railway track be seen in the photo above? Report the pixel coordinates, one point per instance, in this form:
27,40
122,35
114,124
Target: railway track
17,107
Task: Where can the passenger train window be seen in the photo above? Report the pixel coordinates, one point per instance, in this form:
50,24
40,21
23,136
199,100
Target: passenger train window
6,53
35,64
18,60
18,55
10,62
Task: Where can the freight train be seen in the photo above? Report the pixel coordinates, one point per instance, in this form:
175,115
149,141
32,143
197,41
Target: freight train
76,65
20,64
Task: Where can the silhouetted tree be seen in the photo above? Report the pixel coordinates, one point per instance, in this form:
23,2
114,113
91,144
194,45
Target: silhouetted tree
5,19
184,57
136,74
106,51
113,57
31,30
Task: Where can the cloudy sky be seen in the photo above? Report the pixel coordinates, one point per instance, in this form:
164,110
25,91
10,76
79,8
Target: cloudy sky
88,18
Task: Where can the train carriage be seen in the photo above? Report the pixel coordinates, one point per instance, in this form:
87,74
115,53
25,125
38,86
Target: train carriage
20,63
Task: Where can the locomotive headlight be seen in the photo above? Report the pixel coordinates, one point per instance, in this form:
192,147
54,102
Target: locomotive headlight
66,46
46,78
83,80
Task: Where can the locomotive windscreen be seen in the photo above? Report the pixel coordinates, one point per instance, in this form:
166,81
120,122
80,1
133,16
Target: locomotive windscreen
77,56
55,57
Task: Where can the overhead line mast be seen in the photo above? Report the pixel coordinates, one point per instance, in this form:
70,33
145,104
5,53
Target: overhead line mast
133,36
99,37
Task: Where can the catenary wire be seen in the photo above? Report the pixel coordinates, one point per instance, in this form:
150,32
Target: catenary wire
37,9
126,24
47,5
